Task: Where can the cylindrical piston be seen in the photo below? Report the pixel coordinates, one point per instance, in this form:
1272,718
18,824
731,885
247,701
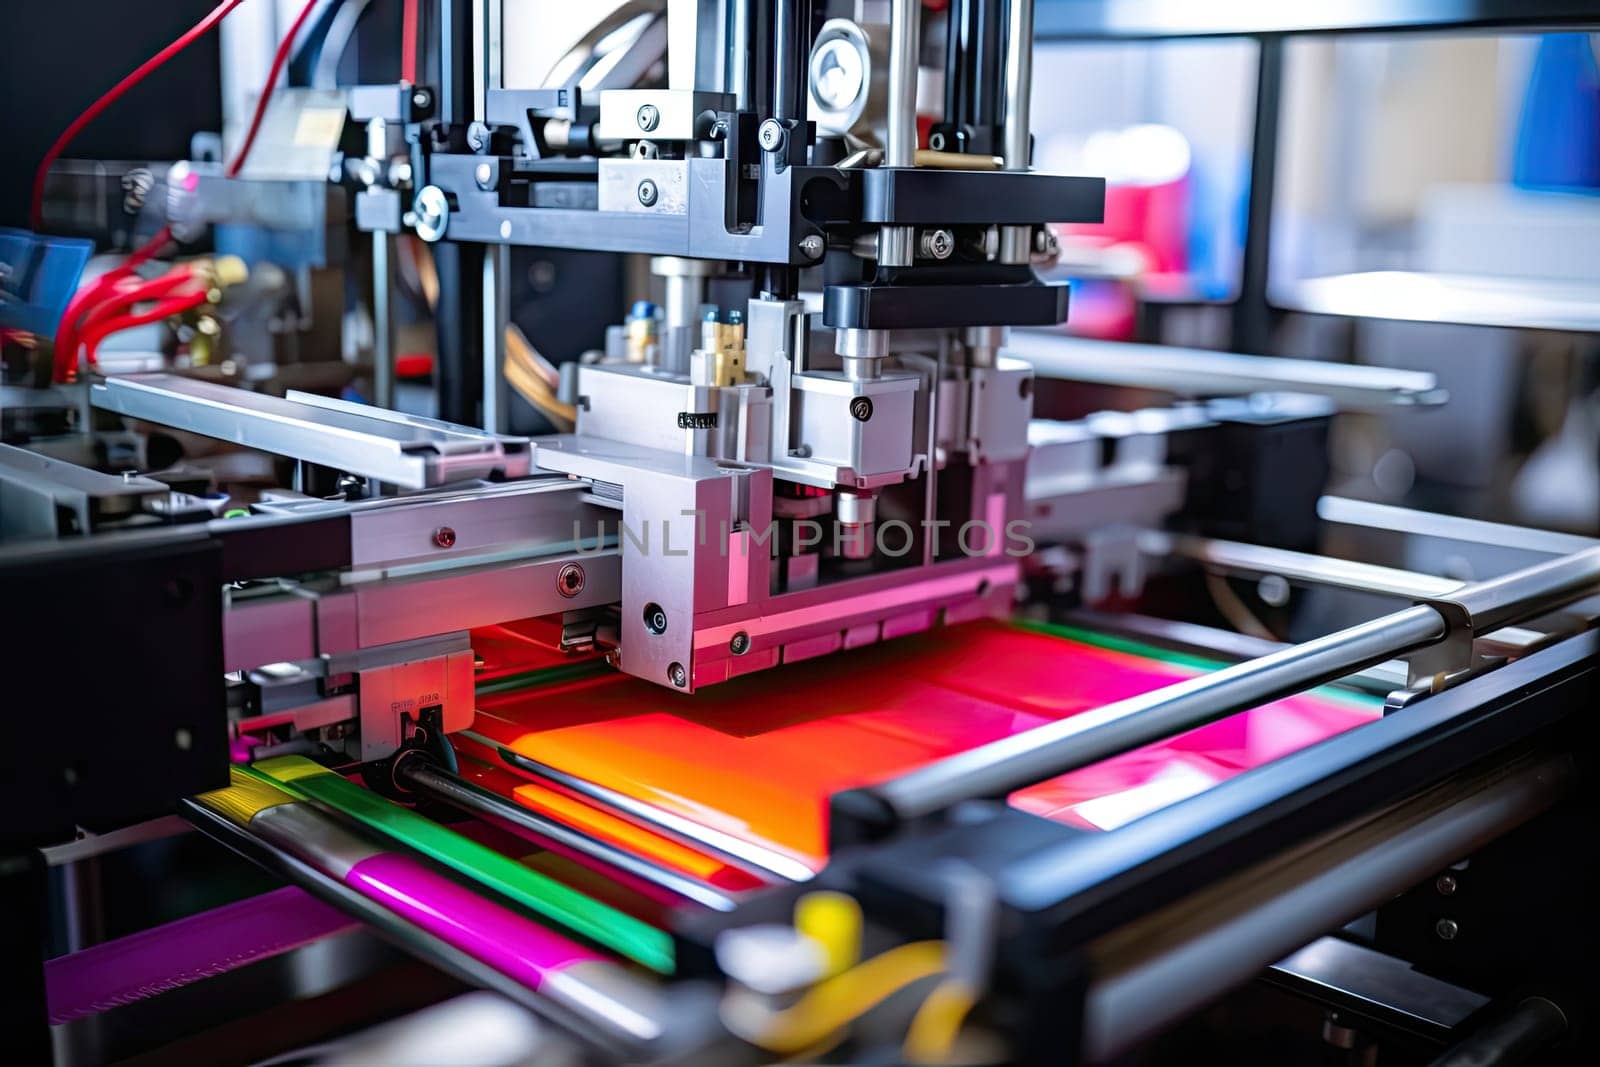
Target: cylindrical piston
857,514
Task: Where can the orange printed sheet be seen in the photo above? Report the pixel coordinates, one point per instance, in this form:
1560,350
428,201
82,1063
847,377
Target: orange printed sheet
759,756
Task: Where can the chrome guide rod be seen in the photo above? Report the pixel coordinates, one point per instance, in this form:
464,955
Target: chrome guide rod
896,244
1016,242
1146,974
460,793
905,34
1000,767
312,861
1018,83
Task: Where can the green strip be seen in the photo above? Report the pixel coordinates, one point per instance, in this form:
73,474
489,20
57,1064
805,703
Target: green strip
562,672
540,893
1349,697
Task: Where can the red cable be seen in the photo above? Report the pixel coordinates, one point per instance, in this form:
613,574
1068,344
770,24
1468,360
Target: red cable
194,33
408,42
67,339
173,305
125,298
66,346
279,58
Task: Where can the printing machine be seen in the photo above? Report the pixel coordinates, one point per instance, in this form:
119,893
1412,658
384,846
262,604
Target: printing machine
844,456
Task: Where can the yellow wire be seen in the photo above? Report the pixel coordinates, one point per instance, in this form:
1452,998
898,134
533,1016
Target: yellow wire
845,997
520,365
934,1028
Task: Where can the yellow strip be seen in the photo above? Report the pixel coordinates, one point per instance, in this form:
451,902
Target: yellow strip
290,768
241,801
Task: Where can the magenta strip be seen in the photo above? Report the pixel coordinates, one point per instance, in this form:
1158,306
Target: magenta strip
175,954
484,930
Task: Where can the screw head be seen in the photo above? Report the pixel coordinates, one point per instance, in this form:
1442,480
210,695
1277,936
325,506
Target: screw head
444,537
477,136
420,98
1447,929
431,209
655,619
938,244
936,141
677,675
505,229
484,174
648,192
812,246
649,117
740,643
771,135
570,581
861,408
1446,884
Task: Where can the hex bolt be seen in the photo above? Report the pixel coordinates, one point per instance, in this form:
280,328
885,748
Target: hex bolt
1447,929
740,643
485,175
570,581
938,244
677,675
1446,885
444,537
647,192
771,135
812,246
649,117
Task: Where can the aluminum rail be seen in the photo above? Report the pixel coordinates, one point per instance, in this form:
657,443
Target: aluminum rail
460,793
1301,566
1200,372
404,450
1237,557
1159,970
1000,767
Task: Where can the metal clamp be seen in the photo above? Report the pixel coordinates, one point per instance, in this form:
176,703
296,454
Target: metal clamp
1474,610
